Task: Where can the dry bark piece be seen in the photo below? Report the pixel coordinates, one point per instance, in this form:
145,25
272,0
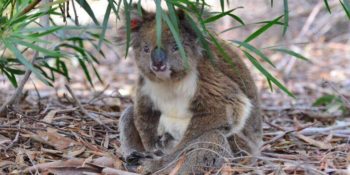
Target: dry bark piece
112,171
3,140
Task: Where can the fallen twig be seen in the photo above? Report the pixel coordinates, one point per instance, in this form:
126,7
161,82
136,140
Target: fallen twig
315,131
314,142
112,171
18,91
84,111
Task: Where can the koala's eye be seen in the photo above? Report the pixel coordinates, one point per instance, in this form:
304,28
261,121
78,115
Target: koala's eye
146,49
174,48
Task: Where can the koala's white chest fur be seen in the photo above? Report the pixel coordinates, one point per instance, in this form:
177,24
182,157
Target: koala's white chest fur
173,101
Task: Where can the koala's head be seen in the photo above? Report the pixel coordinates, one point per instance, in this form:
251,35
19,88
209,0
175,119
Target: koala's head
162,63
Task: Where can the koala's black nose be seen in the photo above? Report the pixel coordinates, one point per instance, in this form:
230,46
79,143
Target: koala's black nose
159,59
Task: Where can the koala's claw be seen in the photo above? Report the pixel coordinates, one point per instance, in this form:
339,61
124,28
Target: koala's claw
135,157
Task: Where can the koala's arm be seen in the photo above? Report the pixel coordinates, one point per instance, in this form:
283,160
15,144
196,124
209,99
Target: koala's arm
146,121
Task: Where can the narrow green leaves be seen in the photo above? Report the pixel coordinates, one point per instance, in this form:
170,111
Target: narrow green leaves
86,71
326,99
286,16
220,15
262,29
127,15
222,4
201,36
255,50
105,24
139,8
36,47
47,31
172,14
346,6
268,76
23,60
237,18
85,5
292,53
177,38
159,23
327,5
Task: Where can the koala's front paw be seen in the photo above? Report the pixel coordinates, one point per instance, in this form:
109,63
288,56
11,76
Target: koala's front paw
146,160
135,158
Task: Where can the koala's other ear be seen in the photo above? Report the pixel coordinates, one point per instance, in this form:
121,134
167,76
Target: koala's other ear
181,14
184,23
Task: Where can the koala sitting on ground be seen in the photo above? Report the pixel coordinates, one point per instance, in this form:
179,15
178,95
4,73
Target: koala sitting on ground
205,110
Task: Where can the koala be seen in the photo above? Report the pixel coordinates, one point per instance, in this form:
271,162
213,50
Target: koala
201,108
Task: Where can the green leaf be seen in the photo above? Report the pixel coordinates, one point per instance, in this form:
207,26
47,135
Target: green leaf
96,73
159,23
36,48
292,53
270,84
127,26
216,17
15,71
327,6
139,8
255,50
326,100
265,22
86,71
63,68
202,39
116,11
177,38
286,17
85,5
172,14
222,51
28,38
237,18
104,25
346,7
262,29
12,78
268,76
222,3
24,61
47,32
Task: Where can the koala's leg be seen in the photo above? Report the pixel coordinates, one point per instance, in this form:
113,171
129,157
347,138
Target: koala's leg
205,153
249,140
146,121
129,137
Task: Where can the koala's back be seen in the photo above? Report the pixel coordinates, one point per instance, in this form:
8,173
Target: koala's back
240,74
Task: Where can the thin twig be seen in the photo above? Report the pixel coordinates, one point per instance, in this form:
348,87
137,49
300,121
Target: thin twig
76,18
30,7
344,99
83,110
18,91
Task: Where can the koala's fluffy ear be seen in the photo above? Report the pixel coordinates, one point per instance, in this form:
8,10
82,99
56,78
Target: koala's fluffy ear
184,23
136,22
137,19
